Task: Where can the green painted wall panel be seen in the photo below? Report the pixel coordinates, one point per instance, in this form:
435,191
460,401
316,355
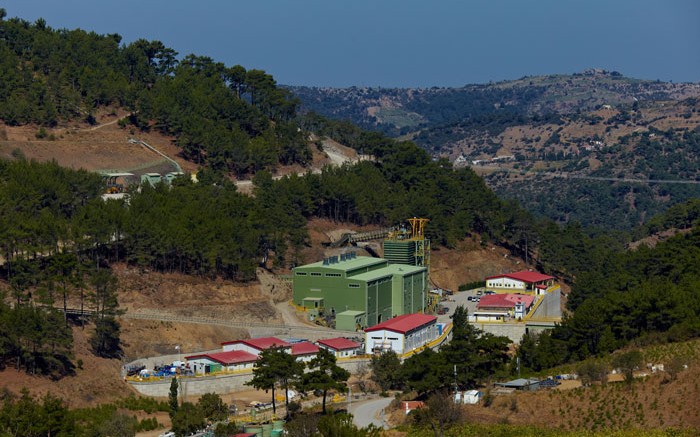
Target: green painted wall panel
379,290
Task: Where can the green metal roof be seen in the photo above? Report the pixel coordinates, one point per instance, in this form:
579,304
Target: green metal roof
344,266
371,275
403,270
391,270
351,313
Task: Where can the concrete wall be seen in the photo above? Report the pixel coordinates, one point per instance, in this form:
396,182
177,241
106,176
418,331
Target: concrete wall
550,306
514,331
219,384
196,386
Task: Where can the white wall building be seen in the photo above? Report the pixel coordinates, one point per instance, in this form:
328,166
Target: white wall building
401,334
304,351
221,361
256,345
341,347
520,282
468,397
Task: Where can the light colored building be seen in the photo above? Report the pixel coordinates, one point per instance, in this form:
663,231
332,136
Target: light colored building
341,347
521,282
256,345
202,364
468,397
304,351
498,307
401,334
530,384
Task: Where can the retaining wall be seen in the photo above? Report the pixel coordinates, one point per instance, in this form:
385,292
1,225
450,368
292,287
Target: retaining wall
550,307
514,331
221,384
195,386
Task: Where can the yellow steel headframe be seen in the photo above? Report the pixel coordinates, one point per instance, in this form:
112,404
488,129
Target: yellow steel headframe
418,227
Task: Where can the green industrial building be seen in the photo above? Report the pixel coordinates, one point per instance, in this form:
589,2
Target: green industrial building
360,291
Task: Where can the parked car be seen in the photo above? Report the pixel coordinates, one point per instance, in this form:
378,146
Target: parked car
479,293
489,292
470,298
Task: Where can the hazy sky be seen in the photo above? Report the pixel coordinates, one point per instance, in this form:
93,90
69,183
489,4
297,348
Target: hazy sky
404,43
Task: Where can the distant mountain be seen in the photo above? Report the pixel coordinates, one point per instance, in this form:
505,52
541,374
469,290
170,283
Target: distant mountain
526,136
399,111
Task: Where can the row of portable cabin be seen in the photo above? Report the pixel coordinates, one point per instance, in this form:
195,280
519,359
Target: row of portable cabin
239,355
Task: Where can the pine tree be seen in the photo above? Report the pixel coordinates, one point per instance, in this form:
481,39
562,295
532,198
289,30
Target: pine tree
172,397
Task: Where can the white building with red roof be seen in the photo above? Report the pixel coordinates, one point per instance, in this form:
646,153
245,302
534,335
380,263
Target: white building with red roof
256,345
401,334
206,363
520,282
341,347
499,307
304,351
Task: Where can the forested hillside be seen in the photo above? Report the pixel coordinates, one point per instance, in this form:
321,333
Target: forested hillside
647,295
58,234
556,144
228,118
59,240
58,237
434,112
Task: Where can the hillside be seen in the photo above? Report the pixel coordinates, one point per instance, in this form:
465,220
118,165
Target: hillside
166,296
192,263
551,142
653,401
412,110
592,168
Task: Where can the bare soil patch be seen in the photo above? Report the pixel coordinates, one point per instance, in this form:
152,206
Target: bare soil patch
104,146
469,261
192,296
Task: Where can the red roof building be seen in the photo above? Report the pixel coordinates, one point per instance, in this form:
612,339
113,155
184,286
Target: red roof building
504,301
226,358
522,282
496,307
404,324
218,361
256,345
402,334
304,350
340,346
339,343
527,276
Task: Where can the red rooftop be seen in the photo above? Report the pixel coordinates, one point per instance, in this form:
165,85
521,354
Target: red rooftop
227,358
339,343
405,323
525,276
304,348
262,343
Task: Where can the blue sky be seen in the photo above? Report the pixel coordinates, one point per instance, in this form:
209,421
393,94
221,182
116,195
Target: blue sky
404,43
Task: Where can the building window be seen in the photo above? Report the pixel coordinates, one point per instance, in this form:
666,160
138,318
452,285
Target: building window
333,275
300,273
354,285
315,274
